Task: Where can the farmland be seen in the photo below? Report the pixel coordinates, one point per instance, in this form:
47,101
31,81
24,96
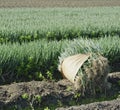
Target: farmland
44,33
22,24
36,37
30,60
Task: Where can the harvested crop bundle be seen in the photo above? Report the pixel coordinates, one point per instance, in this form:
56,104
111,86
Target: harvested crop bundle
88,72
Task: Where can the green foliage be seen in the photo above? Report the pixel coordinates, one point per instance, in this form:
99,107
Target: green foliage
22,60
35,60
39,59
110,48
49,75
59,103
77,95
31,100
24,25
69,88
38,98
107,47
25,96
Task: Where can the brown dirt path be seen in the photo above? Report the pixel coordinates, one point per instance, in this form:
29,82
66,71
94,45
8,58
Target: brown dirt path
57,3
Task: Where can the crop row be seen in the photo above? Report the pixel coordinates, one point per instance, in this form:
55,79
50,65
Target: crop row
39,59
29,61
28,24
107,47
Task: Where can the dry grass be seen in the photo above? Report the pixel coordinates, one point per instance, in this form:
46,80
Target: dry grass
57,3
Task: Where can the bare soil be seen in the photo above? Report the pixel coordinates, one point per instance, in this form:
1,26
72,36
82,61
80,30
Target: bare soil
105,105
50,91
57,3
57,94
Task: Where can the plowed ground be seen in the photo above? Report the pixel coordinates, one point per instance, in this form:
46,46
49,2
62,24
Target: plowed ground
57,3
